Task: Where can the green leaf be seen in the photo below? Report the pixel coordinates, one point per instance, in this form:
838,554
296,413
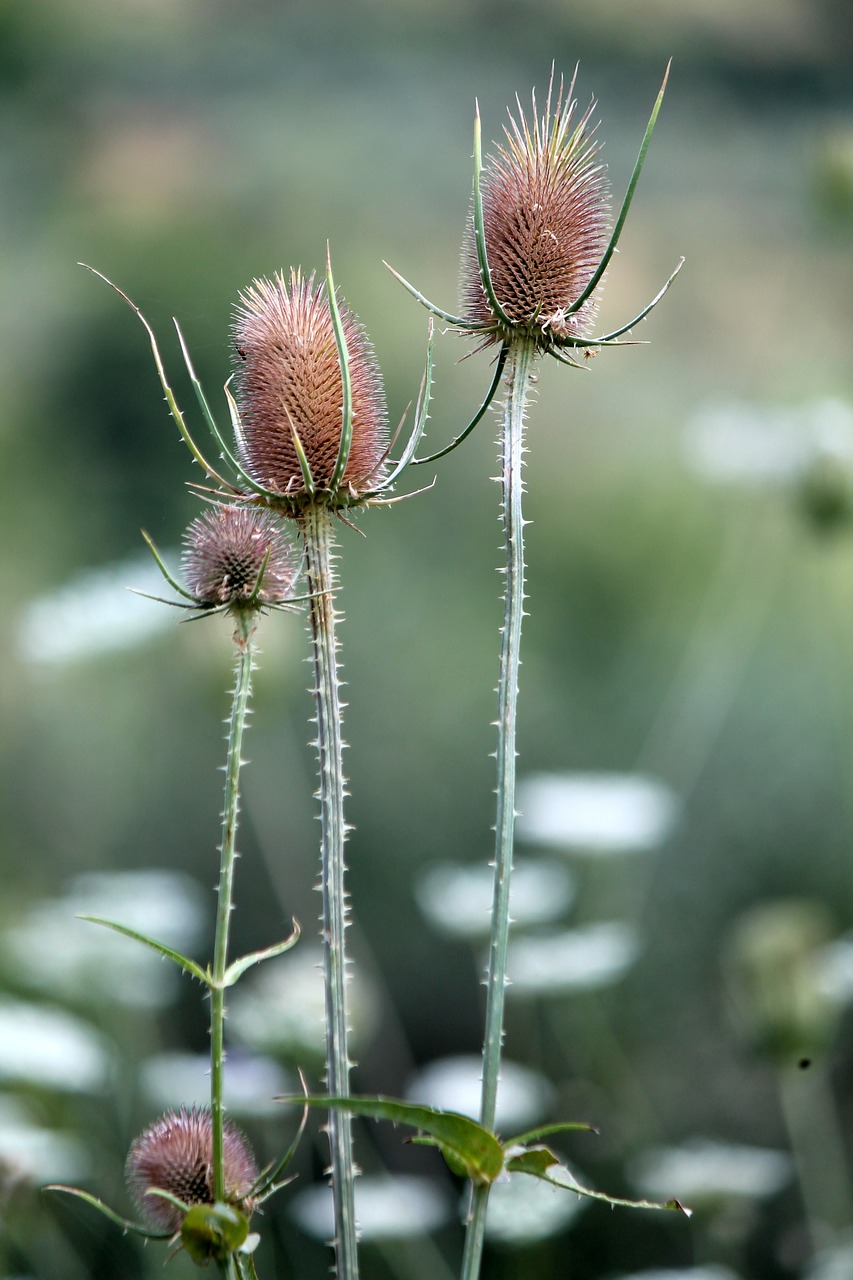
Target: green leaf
595,278
562,1126
480,234
213,1231
189,966
237,428
533,1160
439,312
124,1223
421,416
238,967
337,476
463,435
548,1168
167,390
467,1146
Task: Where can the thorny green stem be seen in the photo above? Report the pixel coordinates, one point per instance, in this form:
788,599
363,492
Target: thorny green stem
244,627
317,532
521,357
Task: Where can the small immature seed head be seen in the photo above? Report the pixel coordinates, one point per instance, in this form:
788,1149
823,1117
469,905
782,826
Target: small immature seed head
175,1154
545,214
225,552
288,380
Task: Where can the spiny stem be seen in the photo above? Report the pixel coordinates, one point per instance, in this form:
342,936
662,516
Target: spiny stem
317,532
228,859
521,356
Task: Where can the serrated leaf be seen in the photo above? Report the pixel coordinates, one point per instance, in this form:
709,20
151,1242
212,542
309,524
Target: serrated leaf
561,1126
124,1223
476,1153
535,1160
168,953
559,1176
238,967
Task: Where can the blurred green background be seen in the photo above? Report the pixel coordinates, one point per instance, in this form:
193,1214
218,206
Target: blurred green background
690,580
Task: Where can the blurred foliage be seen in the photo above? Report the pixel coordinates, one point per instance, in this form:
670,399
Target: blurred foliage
697,632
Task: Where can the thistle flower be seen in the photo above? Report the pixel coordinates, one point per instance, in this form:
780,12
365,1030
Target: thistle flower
545,211
237,557
292,388
175,1154
538,244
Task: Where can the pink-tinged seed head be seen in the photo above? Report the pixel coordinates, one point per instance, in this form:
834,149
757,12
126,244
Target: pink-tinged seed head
225,551
175,1154
288,379
546,212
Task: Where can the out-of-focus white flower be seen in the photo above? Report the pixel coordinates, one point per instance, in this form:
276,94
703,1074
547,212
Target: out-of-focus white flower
595,813
702,1171
457,898
835,1263
582,959
752,444
454,1084
55,952
523,1210
833,968
386,1208
682,1273
32,1154
47,1047
251,1082
281,1009
94,613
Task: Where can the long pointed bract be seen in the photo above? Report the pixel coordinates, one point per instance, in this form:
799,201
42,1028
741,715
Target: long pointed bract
595,278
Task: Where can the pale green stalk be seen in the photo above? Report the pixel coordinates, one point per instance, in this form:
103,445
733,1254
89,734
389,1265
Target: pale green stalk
244,627
318,534
521,356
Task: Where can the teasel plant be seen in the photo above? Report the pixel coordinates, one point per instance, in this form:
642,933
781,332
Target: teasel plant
534,257
192,1174
310,445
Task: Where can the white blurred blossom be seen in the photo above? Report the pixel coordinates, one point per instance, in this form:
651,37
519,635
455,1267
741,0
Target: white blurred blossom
682,1273
281,1008
250,1086
752,444
93,613
704,1170
33,1154
55,952
386,1208
582,959
457,898
454,1084
595,813
44,1046
523,1210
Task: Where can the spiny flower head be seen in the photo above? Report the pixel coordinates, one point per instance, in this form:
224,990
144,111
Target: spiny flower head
290,391
237,557
546,211
175,1154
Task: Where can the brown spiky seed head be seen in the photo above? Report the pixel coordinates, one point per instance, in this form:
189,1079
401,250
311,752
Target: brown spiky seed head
546,212
225,550
175,1154
288,378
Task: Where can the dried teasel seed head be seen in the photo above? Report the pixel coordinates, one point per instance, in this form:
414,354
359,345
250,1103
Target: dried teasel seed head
227,549
288,379
546,211
175,1154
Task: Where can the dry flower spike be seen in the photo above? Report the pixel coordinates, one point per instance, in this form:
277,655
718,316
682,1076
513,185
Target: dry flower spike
537,247
175,1155
311,424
